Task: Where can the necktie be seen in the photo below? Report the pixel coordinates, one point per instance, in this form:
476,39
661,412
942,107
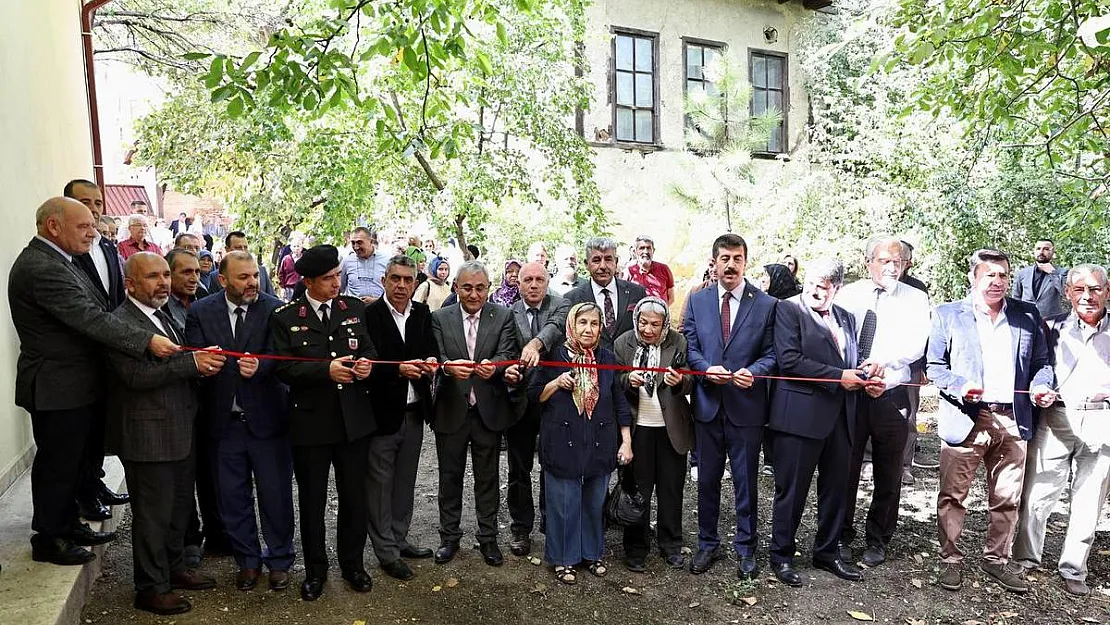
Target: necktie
534,322
167,326
867,330
324,315
610,316
827,318
239,312
726,315
471,343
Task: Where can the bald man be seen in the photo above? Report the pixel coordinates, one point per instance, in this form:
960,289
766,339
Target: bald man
63,327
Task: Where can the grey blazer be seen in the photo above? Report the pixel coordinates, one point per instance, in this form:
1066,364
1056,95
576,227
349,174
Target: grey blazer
153,404
552,321
672,399
496,341
1051,300
63,326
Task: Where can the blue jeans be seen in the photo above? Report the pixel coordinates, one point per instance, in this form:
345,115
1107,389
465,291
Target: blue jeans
575,527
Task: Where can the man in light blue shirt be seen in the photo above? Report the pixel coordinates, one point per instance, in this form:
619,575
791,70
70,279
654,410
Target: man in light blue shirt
362,270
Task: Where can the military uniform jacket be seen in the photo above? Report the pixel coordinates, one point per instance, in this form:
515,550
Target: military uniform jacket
324,412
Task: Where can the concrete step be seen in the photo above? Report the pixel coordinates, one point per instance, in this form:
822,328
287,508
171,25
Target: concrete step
36,593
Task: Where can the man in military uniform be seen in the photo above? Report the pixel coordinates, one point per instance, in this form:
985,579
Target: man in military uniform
331,419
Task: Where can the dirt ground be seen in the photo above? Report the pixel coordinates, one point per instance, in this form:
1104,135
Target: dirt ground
467,591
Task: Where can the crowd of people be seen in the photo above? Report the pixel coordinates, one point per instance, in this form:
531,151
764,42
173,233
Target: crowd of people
817,376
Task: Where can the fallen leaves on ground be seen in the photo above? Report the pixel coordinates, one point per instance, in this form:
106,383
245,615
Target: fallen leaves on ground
451,582
437,588
914,621
693,605
535,561
539,589
917,583
628,590
749,600
860,616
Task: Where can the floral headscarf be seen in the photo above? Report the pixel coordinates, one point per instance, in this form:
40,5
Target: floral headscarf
647,355
507,295
585,391
433,268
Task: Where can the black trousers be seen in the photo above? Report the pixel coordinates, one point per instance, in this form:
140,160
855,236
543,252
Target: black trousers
658,468
521,440
485,456
882,421
61,437
92,460
208,525
311,465
161,497
796,460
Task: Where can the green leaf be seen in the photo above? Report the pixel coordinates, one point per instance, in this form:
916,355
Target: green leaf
484,62
195,56
235,107
222,93
249,60
502,36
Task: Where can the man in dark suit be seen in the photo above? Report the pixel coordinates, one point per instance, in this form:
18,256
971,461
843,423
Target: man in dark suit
401,330
150,427
1042,283
181,224
729,331
104,267
472,406
814,422
617,298
244,419
236,240
332,416
541,318
60,318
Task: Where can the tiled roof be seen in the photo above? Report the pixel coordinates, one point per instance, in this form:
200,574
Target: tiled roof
118,198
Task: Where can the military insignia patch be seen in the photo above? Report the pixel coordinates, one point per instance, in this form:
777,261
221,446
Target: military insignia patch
352,343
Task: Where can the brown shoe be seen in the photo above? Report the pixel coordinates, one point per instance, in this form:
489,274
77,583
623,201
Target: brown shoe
1005,577
162,603
1076,587
191,580
247,579
951,577
279,580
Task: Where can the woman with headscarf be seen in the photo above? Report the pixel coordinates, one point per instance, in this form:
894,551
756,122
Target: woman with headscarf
509,291
780,282
436,288
662,427
584,433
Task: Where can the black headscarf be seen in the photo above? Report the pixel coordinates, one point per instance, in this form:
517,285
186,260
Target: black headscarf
782,283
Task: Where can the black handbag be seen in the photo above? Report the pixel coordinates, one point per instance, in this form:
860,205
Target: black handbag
624,505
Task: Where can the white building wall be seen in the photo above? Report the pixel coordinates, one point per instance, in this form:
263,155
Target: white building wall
124,95
44,142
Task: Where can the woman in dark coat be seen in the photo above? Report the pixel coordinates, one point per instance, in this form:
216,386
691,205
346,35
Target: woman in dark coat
584,433
662,427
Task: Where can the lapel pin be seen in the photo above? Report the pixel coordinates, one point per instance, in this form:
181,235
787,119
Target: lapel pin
342,305
302,312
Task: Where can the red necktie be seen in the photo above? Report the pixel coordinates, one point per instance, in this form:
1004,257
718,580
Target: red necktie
726,315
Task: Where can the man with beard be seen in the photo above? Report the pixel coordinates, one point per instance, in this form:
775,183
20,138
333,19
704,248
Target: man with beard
245,421
655,277
566,277
616,298
1043,283
151,428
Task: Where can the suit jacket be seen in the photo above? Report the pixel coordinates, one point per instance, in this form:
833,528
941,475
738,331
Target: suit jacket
955,358
390,389
263,397
153,403
60,318
496,341
324,412
805,348
628,295
1052,299
177,227
552,322
115,293
673,402
750,344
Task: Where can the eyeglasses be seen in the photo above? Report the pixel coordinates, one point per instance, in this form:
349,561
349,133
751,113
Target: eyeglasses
1091,290
468,289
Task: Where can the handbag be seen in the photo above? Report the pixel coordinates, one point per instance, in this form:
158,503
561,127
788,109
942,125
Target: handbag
624,505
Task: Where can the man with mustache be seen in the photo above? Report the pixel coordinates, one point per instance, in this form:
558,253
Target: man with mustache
245,423
150,427
892,321
989,360
1043,283
655,277
616,298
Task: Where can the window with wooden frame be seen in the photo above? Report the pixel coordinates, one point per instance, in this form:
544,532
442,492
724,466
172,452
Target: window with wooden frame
768,71
699,55
635,87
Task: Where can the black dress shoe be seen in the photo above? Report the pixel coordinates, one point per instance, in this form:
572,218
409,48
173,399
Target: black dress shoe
520,545
58,551
491,553
446,552
90,509
108,498
748,569
786,574
82,534
845,552
703,560
312,588
359,581
839,568
675,560
398,569
635,565
873,556
416,553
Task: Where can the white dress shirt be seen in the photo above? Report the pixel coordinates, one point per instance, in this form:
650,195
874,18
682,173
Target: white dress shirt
67,255
400,319
1083,361
831,324
316,307
231,308
996,344
599,297
100,261
902,324
734,303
